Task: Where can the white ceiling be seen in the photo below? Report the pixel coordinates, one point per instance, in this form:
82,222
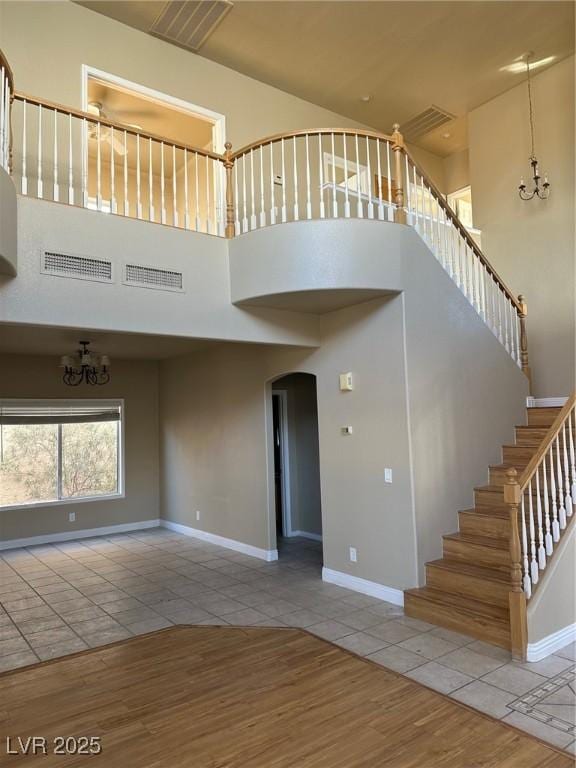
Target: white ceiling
55,342
404,55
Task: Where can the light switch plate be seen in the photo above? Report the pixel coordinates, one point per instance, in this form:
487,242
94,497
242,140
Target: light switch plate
346,430
387,475
346,382
353,555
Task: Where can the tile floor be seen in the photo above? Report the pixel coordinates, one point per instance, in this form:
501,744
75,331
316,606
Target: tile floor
62,598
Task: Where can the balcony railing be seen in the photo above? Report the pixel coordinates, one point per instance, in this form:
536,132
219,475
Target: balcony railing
69,156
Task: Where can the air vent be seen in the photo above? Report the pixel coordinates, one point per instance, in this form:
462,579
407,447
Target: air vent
78,267
426,121
189,23
151,277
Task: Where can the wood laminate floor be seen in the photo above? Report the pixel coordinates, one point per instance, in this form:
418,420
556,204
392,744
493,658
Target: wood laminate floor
224,697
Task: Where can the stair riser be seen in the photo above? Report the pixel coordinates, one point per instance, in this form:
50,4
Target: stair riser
476,554
470,586
489,498
519,455
497,475
481,525
445,616
531,436
542,417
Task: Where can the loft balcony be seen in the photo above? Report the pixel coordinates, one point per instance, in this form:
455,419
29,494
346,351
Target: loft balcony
275,211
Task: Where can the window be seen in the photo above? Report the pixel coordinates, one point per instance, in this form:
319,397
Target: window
346,175
55,451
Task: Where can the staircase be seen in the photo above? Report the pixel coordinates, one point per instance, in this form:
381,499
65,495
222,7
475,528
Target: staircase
467,590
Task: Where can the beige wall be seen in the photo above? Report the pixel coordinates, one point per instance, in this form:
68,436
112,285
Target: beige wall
303,454
553,606
457,171
532,243
137,382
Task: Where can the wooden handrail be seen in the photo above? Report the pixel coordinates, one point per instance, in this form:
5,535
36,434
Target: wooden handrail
80,114
549,438
7,70
310,132
465,234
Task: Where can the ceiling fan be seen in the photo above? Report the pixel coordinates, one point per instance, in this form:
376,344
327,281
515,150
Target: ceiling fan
105,134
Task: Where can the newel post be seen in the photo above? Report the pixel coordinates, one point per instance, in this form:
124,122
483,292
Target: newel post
516,597
524,362
398,149
229,166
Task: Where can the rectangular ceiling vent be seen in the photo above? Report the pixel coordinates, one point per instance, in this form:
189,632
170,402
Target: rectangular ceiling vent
152,277
189,23
77,267
426,121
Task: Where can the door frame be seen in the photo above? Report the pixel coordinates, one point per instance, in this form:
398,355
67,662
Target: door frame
282,395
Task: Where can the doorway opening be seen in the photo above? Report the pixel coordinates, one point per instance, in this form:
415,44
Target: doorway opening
297,499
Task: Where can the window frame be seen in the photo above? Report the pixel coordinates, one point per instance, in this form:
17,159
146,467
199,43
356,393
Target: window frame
121,458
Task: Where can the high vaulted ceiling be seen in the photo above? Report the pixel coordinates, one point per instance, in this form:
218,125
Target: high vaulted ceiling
404,56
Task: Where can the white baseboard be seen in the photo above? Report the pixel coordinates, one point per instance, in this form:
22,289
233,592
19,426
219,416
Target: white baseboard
86,533
545,402
306,535
372,588
551,643
238,546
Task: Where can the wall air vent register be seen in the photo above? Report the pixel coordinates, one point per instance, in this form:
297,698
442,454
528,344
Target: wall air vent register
76,266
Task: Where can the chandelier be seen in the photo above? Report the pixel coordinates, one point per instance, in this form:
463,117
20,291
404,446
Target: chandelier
541,191
85,367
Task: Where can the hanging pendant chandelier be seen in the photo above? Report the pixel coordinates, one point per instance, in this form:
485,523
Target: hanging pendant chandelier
541,190
85,367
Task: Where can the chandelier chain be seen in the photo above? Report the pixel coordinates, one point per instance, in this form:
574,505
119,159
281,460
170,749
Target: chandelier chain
530,106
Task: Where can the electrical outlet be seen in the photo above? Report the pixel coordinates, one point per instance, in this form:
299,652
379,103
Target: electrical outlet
278,180
353,555
197,514
71,517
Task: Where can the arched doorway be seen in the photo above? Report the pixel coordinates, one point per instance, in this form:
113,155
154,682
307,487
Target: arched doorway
296,467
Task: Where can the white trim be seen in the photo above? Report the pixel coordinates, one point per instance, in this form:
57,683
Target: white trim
307,535
551,643
86,533
372,588
238,546
282,395
545,402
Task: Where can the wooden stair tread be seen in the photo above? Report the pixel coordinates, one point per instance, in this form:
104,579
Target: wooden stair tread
481,541
462,604
487,511
480,571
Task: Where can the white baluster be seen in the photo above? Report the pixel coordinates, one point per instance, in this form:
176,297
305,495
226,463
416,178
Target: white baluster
308,199
334,198
55,186
112,173
571,425
534,570
208,210
84,163
162,183
272,195
70,165
561,506
506,323
237,229
370,204
245,204
174,190
500,332
284,212
3,120
295,171
125,176
527,584
379,167
24,179
197,192
415,194
548,537
555,524
186,196
568,495
408,192
98,166
40,184
151,212
389,176
541,549
252,191
262,204
321,176
359,206
346,190
138,179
